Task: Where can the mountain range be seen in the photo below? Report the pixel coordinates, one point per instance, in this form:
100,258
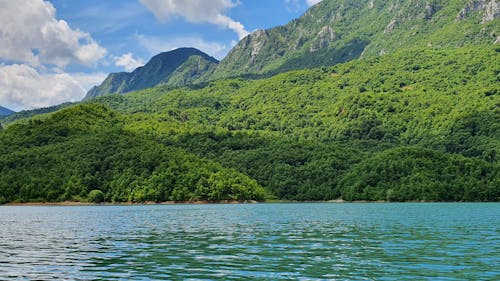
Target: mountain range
329,33
393,100
337,31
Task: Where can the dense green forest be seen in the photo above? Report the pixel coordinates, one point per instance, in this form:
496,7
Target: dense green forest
419,124
84,154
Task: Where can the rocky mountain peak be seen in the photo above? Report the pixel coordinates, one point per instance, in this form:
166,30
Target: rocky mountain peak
174,67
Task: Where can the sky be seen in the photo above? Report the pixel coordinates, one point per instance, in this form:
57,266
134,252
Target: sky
54,51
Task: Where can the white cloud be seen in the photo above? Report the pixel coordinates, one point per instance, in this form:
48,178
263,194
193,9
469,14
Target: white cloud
197,11
89,80
128,62
23,87
312,2
157,45
39,46
293,5
30,33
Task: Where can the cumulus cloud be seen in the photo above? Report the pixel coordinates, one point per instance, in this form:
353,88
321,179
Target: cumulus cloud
23,87
197,11
38,47
30,33
312,2
128,62
157,45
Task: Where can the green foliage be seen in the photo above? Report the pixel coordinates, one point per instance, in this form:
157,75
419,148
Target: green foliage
416,125
228,185
413,97
95,196
412,173
300,133
290,170
333,32
25,114
85,148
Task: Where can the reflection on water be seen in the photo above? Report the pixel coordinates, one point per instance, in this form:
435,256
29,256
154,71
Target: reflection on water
262,241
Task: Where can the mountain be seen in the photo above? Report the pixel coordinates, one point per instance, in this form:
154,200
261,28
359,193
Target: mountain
175,68
409,111
5,111
330,32
419,124
336,31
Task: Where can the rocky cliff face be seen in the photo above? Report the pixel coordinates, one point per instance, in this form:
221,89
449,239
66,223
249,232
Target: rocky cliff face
335,31
178,67
490,10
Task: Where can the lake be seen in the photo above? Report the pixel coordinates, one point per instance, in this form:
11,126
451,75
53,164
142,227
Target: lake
316,241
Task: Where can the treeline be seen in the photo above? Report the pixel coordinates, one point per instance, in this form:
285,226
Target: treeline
414,173
358,170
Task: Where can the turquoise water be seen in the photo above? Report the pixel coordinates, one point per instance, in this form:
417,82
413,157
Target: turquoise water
422,241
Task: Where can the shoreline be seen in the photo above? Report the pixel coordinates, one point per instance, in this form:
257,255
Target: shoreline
76,203
200,202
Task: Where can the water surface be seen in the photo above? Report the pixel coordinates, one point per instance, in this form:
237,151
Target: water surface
428,241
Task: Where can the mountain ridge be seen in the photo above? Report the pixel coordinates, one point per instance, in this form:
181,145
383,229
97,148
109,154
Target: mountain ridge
5,111
416,125
178,67
332,32
329,33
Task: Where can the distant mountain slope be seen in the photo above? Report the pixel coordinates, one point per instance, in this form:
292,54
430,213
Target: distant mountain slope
331,32
5,111
336,31
26,114
178,67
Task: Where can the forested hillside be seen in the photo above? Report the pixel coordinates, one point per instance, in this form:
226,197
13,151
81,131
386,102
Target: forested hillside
417,125
84,154
319,134
404,106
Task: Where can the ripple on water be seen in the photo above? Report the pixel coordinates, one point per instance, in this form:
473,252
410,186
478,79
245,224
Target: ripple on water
264,241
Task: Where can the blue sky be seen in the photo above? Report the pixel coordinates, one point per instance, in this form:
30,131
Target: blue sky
54,51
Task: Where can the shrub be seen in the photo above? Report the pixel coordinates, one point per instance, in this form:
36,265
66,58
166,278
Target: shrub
96,196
